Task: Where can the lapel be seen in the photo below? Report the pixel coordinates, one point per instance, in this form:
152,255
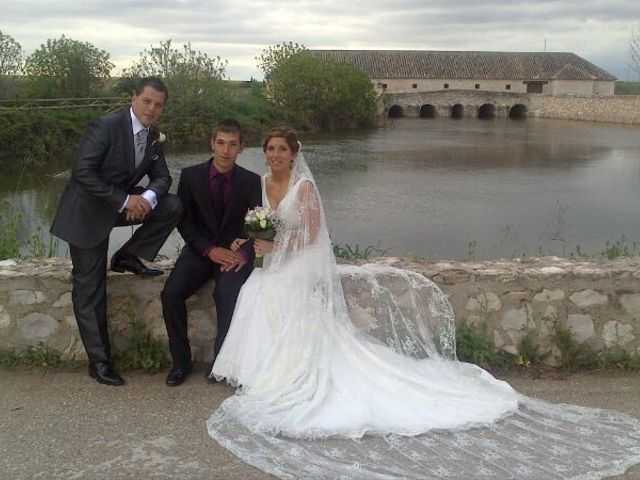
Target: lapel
130,155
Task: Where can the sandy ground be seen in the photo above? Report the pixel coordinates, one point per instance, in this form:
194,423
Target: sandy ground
64,425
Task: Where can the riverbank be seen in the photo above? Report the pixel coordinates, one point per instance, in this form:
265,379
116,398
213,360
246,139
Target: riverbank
61,425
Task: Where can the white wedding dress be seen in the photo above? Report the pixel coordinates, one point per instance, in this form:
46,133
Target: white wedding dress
320,398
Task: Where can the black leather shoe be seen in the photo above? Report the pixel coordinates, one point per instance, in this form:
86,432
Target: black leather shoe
103,373
178,375
121,262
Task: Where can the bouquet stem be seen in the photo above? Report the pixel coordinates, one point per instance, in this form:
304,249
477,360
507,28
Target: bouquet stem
257,261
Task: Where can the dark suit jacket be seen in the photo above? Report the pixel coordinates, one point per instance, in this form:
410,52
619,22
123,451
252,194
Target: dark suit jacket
199,226
103,174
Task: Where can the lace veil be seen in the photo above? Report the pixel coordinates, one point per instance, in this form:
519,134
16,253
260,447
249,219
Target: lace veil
401,312
401,309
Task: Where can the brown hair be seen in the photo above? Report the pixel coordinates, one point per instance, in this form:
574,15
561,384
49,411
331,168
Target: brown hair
228,125
153,82
282,132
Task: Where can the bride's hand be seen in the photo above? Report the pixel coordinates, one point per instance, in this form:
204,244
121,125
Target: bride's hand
262,246
237,243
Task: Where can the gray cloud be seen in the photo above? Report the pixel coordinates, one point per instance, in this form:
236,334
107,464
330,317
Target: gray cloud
238,31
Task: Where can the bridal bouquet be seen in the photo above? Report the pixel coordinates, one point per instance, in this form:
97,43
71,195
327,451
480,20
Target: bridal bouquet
261,222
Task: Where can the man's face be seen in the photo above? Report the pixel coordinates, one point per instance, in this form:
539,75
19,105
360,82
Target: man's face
148,106
226,148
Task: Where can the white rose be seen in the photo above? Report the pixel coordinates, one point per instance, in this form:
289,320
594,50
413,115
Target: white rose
263,224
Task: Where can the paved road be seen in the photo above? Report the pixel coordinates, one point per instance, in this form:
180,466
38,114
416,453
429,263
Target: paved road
63,425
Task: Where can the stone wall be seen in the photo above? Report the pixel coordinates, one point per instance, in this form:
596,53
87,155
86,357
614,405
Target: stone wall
598,301
552,87
617,109
612,109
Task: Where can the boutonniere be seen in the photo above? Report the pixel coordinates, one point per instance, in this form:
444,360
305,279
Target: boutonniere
159,138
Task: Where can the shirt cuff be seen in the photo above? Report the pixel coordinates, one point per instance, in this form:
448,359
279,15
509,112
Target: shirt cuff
151,197
124,204
244,254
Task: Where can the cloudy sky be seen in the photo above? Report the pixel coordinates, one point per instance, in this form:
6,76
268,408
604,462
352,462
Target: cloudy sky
598,30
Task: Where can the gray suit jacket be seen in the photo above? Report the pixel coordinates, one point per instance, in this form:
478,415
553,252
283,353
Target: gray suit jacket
103,175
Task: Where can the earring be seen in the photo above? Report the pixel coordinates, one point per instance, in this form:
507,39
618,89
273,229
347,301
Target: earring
291,165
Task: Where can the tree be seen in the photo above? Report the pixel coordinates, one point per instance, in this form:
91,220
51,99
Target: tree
10,56
634,50
273,56
10,64
65,67
197,87
321,94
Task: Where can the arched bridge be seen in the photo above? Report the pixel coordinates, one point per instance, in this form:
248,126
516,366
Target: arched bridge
456,103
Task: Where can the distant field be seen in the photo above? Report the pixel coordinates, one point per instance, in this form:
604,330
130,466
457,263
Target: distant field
627,88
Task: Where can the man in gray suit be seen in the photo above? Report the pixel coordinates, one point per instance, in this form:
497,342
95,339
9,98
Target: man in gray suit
115,153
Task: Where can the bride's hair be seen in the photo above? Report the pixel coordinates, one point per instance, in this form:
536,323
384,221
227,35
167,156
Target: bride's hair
282,132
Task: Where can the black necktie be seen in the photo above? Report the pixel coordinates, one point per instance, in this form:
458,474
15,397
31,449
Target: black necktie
218,204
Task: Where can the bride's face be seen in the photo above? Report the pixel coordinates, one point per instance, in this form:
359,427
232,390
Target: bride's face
279,155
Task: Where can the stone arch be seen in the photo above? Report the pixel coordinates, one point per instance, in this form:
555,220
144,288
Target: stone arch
396,111
428,111
487,110
518,111
457,111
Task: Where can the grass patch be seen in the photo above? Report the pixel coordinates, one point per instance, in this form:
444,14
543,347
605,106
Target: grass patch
141,351
357,252
627,88
475,345
35,356
9,244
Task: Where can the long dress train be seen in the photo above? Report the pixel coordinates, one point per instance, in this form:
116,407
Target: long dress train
319,398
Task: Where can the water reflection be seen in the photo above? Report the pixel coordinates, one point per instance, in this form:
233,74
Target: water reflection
441,188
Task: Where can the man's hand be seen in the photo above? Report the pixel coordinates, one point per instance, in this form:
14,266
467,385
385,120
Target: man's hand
227,259
137,208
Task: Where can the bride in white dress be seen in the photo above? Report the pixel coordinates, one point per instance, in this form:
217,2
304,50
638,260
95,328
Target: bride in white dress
319,398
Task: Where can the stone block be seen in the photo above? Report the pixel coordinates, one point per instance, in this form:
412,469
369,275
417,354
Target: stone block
27,297
617,334
488,301
550,313
63,301
70,321
512,349
588,298
549,296
514,322
5,318
631,303
582,327
203,324
37,327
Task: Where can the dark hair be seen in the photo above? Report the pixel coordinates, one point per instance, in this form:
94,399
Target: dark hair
282,132
228,125
153,82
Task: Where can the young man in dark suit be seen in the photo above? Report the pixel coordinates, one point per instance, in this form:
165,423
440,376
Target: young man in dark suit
115,153
216,196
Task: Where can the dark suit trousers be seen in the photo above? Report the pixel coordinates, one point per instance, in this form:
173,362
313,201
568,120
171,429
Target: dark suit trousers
89,275
190,272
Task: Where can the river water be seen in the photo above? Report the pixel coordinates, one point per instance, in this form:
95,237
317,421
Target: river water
438,188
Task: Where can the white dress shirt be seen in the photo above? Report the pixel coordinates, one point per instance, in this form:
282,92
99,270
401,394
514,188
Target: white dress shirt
149,195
